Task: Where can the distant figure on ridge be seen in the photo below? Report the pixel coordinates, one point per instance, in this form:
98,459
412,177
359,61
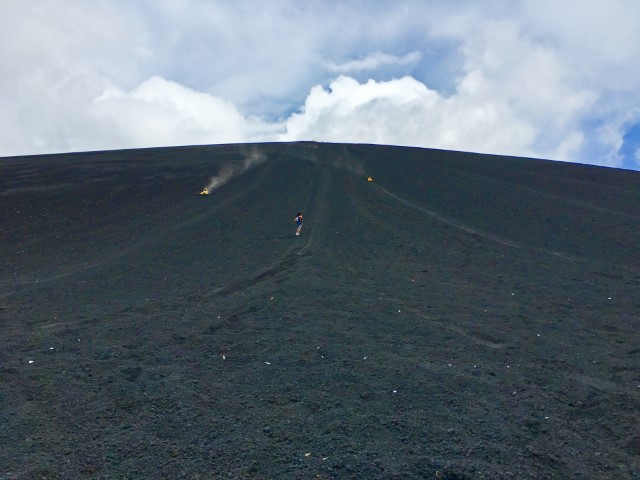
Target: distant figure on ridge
298,221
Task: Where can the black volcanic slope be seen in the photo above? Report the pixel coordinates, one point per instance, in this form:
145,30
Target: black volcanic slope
461,317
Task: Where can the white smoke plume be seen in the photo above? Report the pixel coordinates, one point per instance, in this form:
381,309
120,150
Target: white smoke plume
225,174
252,157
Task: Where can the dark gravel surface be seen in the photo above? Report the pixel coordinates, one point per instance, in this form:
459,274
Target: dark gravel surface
461,317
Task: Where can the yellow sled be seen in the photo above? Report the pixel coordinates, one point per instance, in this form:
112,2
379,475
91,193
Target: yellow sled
204,192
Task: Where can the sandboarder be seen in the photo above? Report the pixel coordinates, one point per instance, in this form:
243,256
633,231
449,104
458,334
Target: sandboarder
298,221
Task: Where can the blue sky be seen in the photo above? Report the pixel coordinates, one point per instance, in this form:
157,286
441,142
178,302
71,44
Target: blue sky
537,78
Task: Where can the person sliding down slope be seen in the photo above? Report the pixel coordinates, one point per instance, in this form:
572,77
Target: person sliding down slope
298,221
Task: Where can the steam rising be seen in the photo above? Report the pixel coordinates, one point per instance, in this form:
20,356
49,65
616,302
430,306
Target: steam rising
227,172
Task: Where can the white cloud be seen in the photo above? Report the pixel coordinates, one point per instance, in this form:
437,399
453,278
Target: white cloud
533,83
374,61
159,112
406,112
597,39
